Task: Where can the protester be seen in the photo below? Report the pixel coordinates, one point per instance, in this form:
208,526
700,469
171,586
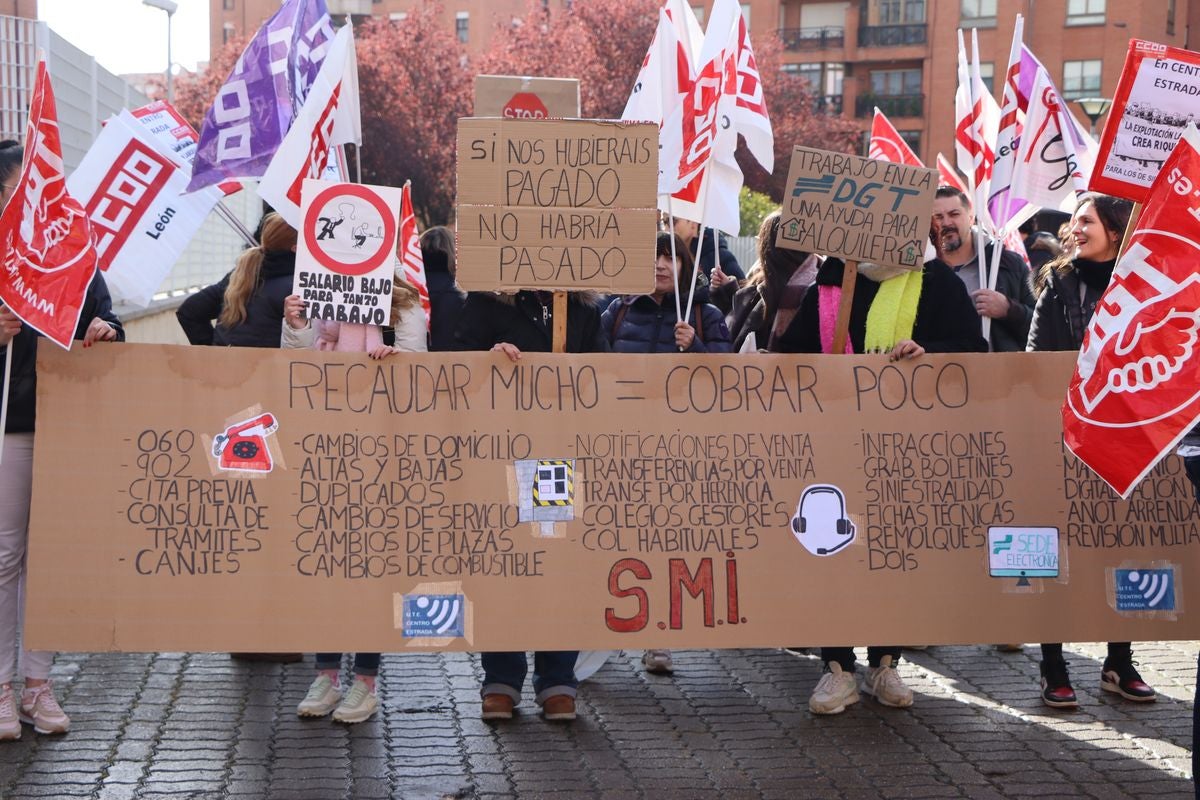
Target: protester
766,305
445,298
1069,287
512,324
1010,304
1189,451
408,323
1040,246
647,323
247,304
904,314
719,274
37,705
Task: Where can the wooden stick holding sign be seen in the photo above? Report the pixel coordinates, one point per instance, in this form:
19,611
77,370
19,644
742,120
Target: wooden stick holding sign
559,341
841,329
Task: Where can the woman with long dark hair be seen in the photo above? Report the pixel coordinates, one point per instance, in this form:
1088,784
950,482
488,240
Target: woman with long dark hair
1068,289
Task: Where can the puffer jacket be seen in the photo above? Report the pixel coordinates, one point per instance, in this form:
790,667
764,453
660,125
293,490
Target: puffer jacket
649,327
525,319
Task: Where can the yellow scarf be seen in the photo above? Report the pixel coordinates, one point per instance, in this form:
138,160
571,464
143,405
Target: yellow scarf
893,312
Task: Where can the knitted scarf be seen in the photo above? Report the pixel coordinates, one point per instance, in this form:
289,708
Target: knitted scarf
893,312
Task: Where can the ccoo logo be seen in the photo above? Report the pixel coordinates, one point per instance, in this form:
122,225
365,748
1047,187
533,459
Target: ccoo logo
1142,336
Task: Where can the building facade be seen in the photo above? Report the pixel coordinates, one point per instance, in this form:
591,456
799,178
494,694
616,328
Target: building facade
899,55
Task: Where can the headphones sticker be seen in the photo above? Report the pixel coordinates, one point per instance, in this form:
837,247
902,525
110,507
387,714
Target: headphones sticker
820,523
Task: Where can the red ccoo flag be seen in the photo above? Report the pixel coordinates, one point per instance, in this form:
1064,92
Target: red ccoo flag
49,255
887,144
410,253
1135,391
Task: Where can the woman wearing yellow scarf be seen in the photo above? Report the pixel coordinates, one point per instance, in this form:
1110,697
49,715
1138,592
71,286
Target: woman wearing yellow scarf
904,314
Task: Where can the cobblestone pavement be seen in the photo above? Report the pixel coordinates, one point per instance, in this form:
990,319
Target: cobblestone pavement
728,725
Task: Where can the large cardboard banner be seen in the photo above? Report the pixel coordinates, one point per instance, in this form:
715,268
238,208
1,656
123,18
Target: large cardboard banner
857,208
515,97
1156,98
237,499
557,204
346,251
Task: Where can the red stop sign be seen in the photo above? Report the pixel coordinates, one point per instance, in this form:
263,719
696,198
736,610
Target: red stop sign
525,105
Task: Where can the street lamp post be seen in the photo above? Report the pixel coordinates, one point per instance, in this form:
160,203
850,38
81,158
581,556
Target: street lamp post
170,7
1092,107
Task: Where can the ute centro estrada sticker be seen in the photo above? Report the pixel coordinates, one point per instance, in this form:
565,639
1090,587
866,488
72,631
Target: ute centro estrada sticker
346,256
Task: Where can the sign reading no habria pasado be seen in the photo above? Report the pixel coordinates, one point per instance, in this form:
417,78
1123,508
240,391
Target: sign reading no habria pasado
556,204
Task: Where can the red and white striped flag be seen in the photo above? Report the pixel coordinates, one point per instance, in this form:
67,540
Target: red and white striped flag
410,251
887,144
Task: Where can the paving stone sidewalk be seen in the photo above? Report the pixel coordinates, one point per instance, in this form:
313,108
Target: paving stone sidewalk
728,725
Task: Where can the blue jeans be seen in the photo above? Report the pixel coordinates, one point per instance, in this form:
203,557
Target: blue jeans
553,674
364,663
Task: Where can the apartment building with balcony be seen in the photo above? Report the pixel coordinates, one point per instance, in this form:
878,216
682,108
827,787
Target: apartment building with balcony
901,55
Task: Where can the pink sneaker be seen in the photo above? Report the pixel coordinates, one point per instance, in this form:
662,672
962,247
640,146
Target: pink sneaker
10,725
40,708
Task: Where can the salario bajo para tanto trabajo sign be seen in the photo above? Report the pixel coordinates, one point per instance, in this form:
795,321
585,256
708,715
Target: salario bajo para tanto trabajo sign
240,499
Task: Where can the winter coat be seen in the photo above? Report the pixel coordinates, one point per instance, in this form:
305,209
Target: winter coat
1061,316
521,319
748,312
946,318
264,309
1010,333
729,262
445,306
649,327
22,397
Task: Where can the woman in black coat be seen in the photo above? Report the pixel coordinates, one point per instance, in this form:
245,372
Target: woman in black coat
1069,287
247,304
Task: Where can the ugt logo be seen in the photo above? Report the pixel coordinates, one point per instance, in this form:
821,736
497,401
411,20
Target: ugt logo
1142,336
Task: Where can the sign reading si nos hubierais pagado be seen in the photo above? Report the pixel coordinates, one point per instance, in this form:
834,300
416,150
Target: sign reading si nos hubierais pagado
557,204
858,209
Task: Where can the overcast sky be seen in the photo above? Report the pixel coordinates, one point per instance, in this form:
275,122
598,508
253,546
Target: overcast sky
126,36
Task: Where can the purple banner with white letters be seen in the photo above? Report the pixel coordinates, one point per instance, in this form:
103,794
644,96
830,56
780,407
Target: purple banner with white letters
255,106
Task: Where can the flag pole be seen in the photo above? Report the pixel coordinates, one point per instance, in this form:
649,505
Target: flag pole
226,213
4,401
699,247
674,256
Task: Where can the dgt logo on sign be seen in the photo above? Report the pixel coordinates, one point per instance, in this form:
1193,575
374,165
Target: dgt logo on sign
128,189
526,105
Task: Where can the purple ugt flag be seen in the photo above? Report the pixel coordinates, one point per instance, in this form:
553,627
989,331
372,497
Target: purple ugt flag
262,95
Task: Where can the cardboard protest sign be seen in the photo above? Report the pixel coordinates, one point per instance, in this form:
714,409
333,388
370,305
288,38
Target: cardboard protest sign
857,209
557,204
516,97
133,190
346,251
1156,98
244,498
1133,395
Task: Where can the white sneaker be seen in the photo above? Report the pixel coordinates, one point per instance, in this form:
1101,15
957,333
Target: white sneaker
658,662
360,704
886,685
836,690
10,724
322,698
